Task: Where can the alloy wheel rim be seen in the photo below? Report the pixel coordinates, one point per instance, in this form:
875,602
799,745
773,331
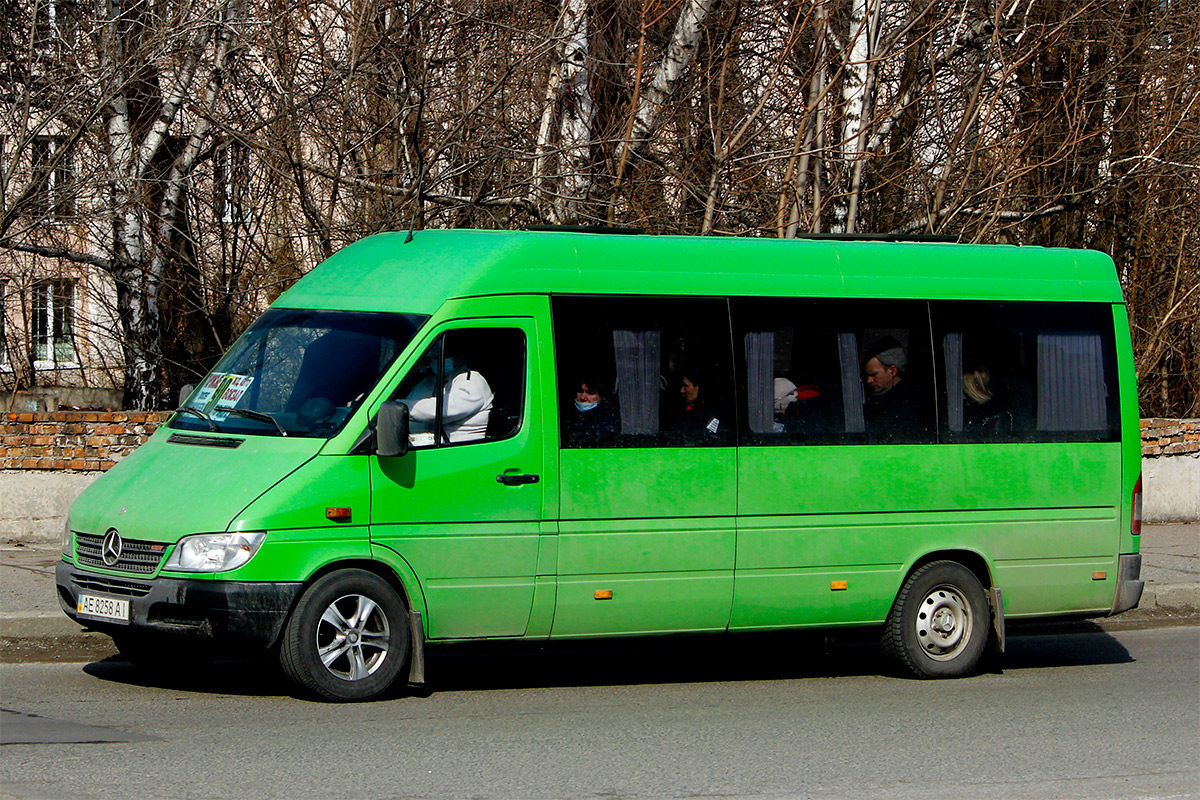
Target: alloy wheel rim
352,637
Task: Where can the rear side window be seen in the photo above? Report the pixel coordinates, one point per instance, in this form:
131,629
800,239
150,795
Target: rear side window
644,372
1027,372
814,371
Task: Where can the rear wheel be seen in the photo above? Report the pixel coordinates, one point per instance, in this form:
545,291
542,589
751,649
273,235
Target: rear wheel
938,626
348,638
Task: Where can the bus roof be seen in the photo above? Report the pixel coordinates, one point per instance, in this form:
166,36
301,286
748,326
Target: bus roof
382,273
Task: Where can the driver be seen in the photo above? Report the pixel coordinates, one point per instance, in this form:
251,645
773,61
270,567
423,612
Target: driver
468,403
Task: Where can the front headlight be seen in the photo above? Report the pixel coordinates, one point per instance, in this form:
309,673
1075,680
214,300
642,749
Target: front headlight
66,537
214,552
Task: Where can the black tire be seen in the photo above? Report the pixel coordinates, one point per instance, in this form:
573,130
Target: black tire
939,624
360,624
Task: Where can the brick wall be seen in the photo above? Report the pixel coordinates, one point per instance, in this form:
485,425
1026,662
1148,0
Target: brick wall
1170,437
82,441
75,441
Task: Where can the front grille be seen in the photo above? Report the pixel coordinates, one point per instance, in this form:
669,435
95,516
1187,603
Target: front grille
96,583
136,556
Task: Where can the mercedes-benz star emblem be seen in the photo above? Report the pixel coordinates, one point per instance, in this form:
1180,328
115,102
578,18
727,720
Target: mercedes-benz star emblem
110,551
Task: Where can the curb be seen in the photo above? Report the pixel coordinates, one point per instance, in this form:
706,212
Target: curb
1172,598
40,624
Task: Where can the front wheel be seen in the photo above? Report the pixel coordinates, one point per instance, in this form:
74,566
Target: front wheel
348,638
938,626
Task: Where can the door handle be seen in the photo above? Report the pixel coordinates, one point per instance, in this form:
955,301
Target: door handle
516,480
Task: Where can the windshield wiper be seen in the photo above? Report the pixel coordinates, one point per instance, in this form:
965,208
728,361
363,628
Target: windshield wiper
212,425
258,415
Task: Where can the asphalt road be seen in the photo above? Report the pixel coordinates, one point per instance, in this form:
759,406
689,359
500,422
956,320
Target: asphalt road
1088,714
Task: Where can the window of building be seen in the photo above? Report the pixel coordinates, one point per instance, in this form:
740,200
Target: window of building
1043,372
833,371
54,169
482,374
644,372
54,323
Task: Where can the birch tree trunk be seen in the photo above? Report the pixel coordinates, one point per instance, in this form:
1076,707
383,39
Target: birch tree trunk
578,115
142,246
857,86
568,98
667,76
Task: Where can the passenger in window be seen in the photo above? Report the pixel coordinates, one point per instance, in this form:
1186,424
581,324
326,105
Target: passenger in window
592,417
892,408
468,403
698,419
986,411
798,409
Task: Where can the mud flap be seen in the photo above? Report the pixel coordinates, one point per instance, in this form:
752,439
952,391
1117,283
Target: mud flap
416,658
996,601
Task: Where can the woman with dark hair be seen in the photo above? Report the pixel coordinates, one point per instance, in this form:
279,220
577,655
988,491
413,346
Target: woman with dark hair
592,417
698,421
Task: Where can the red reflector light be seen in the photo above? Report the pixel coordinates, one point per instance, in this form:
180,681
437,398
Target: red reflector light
1135,522
337,513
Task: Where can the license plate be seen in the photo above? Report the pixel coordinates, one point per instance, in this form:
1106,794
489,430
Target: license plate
104,607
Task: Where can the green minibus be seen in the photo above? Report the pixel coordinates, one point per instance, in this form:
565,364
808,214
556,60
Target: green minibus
458,435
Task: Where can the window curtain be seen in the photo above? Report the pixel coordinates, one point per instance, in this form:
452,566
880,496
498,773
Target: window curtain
1070,382
638,356
852,388
760,380
952,349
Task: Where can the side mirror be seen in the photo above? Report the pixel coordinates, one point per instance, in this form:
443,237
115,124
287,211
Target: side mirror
391,429
185,392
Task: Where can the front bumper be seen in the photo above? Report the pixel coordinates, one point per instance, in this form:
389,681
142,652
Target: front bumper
1129,587
226,613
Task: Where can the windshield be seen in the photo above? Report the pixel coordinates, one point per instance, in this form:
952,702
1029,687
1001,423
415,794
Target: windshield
297,373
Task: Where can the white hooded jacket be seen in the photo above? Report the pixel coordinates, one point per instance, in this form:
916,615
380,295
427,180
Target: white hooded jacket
465,416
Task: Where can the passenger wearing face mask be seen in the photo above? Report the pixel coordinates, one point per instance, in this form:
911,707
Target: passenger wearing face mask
468,403
592,417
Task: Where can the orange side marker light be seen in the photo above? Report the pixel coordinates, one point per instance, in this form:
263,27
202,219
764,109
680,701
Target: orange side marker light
838,586
338,514
604,594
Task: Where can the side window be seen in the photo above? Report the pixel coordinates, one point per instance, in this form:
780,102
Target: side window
1027,372
644,372
482,375
833,371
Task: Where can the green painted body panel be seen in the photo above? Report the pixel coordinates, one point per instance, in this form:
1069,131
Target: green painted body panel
164,491
649,482
381,273
891,478
477,579
655,526
812,515
300,539
300,499
1131,441
472,542
665,575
